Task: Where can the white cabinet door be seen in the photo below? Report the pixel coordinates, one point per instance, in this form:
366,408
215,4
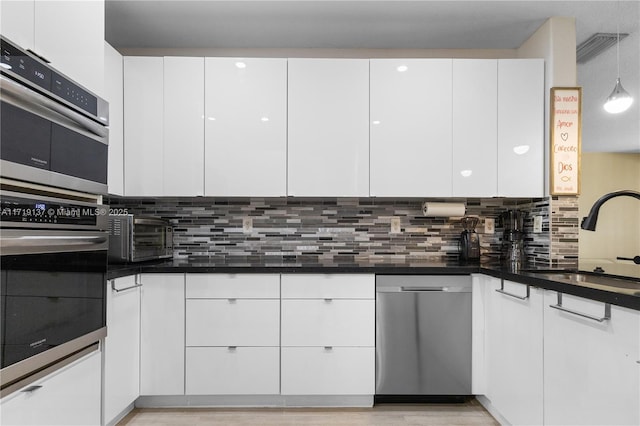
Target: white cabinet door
475,127
328,127
70,34
410,127
245,127
162,334
143,126
233,371
69,396
16,22
590,368
515,352
328,322
121,347
328,286
328,371
233,286
479,311
233,322
183,144
521,127
113,88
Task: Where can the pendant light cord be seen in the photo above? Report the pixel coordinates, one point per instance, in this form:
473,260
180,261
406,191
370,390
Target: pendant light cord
618,37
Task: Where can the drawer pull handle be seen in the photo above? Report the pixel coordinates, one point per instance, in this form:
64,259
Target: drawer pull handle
232,348
506,293
328,348
31,388
606,317
328,300
232,300
118,290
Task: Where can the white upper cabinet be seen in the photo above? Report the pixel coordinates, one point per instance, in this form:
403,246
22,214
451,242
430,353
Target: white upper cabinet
143,126
69,34
113,88
328,127
411,127
475,130
16,22
245,127
521,127
183,142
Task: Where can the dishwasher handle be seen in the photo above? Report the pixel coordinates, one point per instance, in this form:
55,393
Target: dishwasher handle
432,289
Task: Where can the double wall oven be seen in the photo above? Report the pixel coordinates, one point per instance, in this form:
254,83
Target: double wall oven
53,227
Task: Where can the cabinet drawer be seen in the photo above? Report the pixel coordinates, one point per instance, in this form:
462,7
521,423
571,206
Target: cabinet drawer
235,322
328,323
335,371
69,396
321,286
226,371
223,286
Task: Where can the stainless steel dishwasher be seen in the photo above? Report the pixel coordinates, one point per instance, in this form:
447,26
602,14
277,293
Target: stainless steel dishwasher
423,336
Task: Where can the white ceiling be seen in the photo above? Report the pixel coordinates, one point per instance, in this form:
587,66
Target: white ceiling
454,24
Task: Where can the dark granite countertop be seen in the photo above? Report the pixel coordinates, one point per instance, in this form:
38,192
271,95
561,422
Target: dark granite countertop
535,275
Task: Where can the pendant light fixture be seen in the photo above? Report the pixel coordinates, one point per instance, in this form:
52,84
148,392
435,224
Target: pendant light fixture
619,100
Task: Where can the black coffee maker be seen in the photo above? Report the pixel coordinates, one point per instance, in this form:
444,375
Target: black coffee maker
469,240
512,250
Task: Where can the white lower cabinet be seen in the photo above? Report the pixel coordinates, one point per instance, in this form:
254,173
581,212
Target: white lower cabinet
69,396
121,385
232,370
328,370
232,334
514,351
328,322
591,368
162,334
328,340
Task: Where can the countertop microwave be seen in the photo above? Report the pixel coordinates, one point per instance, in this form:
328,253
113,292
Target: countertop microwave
139,238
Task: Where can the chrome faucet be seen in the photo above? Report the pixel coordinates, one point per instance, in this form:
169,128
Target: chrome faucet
589,222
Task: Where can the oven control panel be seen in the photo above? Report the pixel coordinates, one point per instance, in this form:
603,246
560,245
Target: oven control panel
17,62
24,211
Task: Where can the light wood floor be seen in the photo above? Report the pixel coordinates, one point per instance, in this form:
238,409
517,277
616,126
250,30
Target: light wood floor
471,413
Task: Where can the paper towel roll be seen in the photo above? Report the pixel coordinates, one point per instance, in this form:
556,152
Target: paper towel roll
443,209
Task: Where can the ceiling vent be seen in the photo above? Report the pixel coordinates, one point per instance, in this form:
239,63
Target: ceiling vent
595,45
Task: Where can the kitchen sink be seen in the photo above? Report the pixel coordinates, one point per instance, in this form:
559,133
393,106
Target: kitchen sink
603,282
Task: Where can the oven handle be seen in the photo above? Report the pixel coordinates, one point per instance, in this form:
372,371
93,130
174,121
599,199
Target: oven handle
16,242
32,101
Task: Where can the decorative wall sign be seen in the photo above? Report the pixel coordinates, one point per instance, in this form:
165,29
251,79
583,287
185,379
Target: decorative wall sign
566,135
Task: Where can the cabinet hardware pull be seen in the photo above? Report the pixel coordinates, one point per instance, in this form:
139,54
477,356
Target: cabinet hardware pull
410,288
328,300
606,317
328,348
138,279
232,348
506,293
232,300
118,290
31,388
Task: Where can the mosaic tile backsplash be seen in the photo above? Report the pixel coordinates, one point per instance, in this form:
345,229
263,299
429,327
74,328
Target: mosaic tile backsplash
344,230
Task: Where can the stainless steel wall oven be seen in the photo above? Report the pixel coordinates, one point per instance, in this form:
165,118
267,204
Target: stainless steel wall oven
53,130
53,265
